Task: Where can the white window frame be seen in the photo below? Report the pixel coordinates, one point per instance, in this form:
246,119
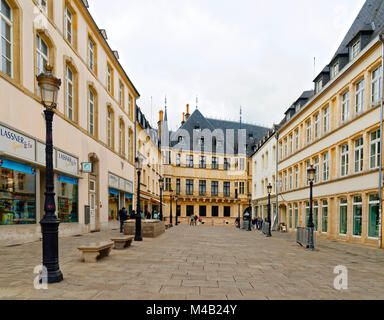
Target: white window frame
8,21
41,57
297,177
344,157
335,69
91,110
91,54
359,97
316,120
326,120
326,167
376,85
345,107
359,154
109,79
375,143
308,130
355,49
109,128
69,87
316,165
68,16
297,139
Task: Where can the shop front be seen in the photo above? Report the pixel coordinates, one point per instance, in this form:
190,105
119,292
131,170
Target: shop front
67,199
120,194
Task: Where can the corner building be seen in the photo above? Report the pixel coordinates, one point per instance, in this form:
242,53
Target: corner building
337,131
93,123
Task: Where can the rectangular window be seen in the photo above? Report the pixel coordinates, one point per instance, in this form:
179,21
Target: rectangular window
215,211
189,187
374,154
68,25
324,216
227,164
335,69
190,211
291,143
109,79
109,128
67,200
178,160
42,54
343,215
242,164
91,116
345,107
376,87
178,186
227,189
359,97
69,93
202,187
357,215
359,155
91,55
355,49
296,177
308,131
227,212
317,125
316,214
241,188
296,215
308,165
290,179
190,161
317,167
121,94
297,140
121,137
326,166
373,216
307,213
290,216
203,162
326,120
202,211
168,184
214,188
214,163
344,160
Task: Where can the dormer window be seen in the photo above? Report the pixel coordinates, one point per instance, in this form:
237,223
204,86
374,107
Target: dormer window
298,107
335,69
355,49
318,85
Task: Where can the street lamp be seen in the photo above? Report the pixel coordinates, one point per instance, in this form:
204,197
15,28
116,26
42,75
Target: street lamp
49,87
139,167
269,188
236,197
311,177
170,197
176,198
161,183
250,214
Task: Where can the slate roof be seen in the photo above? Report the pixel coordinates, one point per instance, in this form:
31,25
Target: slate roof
197,121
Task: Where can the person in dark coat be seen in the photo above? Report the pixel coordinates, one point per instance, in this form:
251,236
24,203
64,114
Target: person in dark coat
123,216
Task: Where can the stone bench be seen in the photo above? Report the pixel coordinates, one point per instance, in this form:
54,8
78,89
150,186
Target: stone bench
122,242
96,251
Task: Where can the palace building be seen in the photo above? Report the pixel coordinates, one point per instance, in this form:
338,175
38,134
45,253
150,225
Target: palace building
94,122
206,168
337,130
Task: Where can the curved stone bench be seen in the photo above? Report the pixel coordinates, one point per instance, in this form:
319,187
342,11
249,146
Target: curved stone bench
96,251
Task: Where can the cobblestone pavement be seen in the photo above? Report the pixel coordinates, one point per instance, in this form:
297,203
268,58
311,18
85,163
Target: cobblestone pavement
198,263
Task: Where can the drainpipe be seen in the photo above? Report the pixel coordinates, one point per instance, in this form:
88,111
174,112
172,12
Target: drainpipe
381,37
277,177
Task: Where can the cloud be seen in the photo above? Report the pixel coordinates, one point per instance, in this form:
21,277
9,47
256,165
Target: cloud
257,54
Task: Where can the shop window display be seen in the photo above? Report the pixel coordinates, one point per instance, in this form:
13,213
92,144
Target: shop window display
17,194
67,209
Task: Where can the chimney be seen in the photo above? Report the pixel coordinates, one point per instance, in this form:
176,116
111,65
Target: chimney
160,123
187,115
182,122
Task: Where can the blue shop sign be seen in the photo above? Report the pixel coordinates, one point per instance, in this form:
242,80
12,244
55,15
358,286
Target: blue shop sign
68,180
128,195
114,192
8,164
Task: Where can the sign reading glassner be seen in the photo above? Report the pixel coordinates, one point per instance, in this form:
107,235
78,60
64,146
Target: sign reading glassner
17,144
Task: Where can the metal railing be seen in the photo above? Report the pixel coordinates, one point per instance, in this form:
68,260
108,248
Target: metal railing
265,227
304,236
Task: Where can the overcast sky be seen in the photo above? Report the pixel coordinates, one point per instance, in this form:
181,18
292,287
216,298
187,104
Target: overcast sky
258,54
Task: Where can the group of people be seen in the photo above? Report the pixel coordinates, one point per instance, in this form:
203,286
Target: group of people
257,223
124,216
194,219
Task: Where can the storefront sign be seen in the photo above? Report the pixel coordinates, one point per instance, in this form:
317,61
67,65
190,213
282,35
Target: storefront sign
120,183
68,180
114,192
128,186
17,144
66,163
17,166
113,181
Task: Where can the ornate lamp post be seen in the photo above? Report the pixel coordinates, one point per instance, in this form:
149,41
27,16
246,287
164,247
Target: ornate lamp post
250,217
139,167
170,199
161,184
311,177
269,188
49,88
176,198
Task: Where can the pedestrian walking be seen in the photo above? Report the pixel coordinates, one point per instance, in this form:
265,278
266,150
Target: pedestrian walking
123,216
195,220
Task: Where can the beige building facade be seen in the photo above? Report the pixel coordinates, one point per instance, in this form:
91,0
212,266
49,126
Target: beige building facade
94,120
338,132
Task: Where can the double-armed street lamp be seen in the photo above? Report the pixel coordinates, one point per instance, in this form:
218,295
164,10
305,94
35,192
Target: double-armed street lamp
161,184
49,87
311,177
269,188
139,168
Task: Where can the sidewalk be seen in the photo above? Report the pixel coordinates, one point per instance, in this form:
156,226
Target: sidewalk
200,263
